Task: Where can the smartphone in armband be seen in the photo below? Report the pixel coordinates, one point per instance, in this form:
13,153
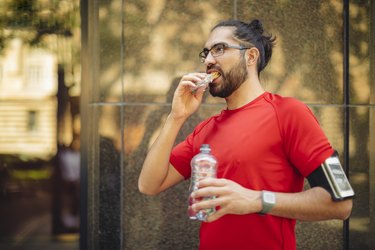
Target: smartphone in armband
336,178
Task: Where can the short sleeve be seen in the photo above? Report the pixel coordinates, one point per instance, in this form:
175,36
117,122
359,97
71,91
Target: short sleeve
304,141
183,152
181,156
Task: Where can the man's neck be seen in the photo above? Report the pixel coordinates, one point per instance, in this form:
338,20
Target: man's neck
246,93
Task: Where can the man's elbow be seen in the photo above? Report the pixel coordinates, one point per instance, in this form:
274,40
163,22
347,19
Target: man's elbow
345,209
146,190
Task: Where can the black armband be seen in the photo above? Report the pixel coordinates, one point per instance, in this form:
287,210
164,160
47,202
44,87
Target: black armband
331,176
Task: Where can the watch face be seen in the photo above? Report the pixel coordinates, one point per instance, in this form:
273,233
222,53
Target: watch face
269,197
268,201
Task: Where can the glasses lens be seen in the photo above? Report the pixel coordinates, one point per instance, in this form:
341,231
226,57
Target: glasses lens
203,54
218,49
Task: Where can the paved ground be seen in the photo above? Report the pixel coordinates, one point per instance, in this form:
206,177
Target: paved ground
25,224
36,235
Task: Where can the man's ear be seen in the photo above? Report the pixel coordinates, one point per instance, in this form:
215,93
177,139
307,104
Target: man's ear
252,56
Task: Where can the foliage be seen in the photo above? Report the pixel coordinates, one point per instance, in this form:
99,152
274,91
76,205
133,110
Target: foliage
32,20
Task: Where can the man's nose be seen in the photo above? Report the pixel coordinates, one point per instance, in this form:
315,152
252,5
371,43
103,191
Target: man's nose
209,59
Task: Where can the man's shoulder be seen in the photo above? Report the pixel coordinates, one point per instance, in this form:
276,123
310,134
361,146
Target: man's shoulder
205,123
283,100
285,104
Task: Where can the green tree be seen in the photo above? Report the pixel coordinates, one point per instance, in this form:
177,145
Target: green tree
32,20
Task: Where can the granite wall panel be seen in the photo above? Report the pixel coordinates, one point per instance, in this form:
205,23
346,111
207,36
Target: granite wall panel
134,55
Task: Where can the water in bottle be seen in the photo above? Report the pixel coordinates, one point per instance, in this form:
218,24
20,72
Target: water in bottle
203,165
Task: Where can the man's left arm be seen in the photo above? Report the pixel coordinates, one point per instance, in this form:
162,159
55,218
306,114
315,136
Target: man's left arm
314,204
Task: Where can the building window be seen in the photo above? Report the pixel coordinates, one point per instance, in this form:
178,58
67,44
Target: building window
34,76
32,118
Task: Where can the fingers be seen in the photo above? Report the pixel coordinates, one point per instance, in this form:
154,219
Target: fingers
208,203
230,198
184,102
220,200
218,214
212,187
195,77
217,203
215,182
190,81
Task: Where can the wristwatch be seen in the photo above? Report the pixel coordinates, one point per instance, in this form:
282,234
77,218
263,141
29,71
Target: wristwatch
268,201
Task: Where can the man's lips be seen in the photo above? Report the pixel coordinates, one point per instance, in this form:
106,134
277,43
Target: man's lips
214,74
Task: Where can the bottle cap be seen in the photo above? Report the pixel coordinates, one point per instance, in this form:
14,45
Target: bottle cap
205,147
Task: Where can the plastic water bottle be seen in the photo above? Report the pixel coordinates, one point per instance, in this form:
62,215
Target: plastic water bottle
203,165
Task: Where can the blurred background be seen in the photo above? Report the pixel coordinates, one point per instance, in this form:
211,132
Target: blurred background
39,124
86,85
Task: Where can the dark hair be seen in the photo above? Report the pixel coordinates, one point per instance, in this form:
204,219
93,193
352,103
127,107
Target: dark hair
252,33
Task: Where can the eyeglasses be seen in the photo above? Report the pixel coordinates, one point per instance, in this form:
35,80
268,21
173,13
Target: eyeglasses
218,50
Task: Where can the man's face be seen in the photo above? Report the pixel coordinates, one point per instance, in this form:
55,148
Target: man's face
231,79
231,64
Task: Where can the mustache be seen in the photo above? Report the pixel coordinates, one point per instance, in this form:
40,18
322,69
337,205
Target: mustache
216,68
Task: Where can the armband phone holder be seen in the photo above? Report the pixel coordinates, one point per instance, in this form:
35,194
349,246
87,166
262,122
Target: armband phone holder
336,177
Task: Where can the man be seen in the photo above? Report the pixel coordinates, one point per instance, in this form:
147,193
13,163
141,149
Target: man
265,145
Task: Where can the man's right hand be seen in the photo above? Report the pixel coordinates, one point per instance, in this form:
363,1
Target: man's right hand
185,101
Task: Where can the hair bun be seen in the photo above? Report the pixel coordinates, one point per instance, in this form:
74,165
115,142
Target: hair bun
256,26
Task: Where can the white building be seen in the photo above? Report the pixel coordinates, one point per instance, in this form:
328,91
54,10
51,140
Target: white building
28,102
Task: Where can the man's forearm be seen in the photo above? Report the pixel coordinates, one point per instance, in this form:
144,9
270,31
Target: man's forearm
155,167
311,205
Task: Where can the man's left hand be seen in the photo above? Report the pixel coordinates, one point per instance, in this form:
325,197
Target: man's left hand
230,198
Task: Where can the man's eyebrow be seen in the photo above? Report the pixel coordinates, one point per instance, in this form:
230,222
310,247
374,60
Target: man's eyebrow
213,45
206,47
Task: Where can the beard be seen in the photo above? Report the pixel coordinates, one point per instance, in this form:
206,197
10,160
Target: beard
231,80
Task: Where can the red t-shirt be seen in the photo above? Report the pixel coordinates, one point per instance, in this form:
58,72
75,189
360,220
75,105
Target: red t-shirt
271,143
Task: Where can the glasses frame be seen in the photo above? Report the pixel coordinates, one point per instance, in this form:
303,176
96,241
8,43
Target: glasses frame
204,53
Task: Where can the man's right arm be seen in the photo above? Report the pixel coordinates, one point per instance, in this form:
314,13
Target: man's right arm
157,173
